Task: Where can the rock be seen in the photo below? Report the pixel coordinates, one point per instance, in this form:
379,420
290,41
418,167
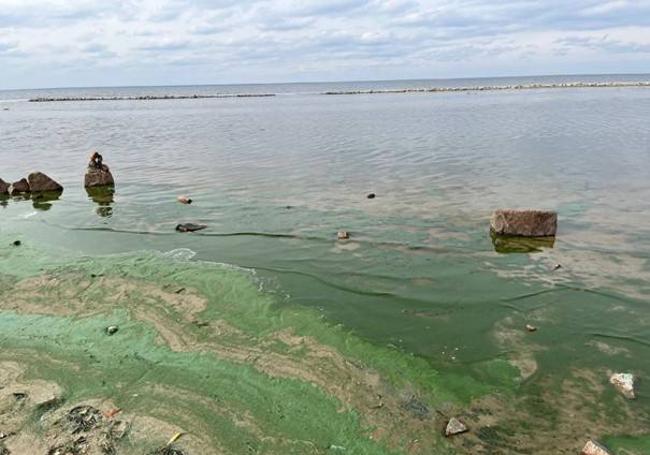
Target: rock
343,235
184,199
19,187
17,243
455,426
4,187
531,328
98,177
624,383
371,196
525,223
557,267
190,227
594,448
39,183
112,329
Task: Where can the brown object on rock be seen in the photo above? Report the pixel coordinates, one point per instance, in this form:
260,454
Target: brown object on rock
19,187
526,223
455,426
594,448
98,174
343,235
4,187
39,183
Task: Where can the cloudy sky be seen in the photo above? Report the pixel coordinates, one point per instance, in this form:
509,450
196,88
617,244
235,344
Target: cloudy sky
54,43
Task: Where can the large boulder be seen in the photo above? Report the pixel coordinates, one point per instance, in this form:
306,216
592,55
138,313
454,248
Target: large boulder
40,183
19,187
525,223
4,187
624,383
98,176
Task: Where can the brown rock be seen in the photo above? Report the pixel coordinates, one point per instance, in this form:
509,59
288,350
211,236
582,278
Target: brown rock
4,187
39,182
526,223
594,448
98,176
19,187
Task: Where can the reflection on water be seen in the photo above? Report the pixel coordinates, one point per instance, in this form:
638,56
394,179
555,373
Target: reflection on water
103,196
43,201
514,244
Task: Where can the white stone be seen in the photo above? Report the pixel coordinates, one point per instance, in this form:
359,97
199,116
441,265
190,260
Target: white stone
624,383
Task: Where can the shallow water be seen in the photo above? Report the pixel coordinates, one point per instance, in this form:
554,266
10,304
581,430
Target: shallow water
276,178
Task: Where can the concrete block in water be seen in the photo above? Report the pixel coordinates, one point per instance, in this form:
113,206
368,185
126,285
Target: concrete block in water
525,223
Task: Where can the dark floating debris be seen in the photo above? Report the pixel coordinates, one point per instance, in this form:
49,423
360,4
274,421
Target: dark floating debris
190,227
148,97
371,195
17,243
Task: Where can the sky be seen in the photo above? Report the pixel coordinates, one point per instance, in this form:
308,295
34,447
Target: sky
59,43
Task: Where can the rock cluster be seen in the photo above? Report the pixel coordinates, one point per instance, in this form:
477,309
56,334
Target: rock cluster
36,182
525,223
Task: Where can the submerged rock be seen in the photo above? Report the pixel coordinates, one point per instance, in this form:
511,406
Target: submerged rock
343,235
531,328
624,383
525,223
40,183
19,187
455,426
4,187
190,227
98,174
594,448
112,329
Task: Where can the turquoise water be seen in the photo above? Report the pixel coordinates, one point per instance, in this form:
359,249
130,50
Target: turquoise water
276,178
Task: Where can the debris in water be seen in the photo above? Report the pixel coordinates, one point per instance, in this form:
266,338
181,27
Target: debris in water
531,328
175,438
184,199
624,383
190,227
594,448
371,196
112,329
17,243
83,418
455,426
557,267
343,235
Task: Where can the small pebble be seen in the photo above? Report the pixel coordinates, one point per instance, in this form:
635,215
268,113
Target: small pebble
343,235
112,329
531,328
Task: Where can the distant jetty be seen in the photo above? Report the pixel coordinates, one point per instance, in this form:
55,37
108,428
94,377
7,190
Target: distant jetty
481,88
148,97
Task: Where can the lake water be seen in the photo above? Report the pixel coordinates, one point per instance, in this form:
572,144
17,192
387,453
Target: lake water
275,179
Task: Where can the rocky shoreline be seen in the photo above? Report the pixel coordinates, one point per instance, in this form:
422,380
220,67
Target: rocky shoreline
147,97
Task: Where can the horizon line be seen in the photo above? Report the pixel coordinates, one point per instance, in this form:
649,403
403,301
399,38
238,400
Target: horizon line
321,81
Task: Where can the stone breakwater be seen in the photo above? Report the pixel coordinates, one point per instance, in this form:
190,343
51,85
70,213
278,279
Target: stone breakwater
481,88
148,97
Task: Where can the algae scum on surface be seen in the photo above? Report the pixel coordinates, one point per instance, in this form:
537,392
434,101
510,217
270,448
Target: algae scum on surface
203,362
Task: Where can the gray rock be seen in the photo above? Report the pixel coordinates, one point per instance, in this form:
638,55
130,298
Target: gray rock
4,187
594,448
455,426
624,383
19,187
526,223
98,177
112,329
343,235
39,182
190,227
